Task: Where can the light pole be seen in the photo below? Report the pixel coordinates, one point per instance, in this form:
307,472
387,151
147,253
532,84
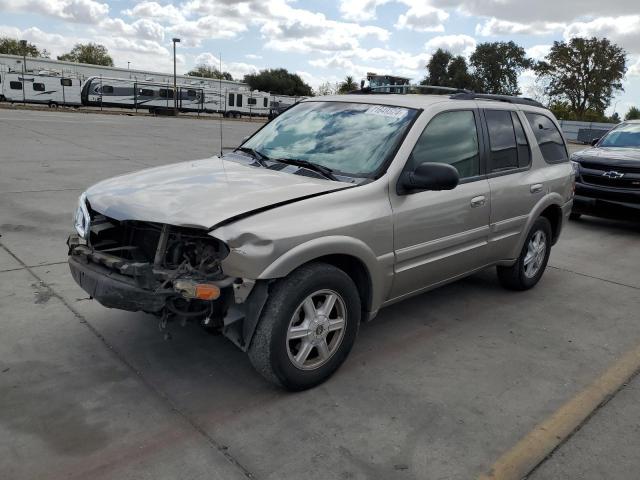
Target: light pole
23,44
175,81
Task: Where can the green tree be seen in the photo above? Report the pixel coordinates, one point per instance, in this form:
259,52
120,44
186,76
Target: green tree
445,70
496,66
278,80
633,114
11,46
585,72
348,85
437,74
92,53
207,71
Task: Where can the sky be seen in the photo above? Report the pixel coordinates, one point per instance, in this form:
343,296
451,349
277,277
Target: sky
322,40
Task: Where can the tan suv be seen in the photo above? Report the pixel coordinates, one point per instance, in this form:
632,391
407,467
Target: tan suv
338,207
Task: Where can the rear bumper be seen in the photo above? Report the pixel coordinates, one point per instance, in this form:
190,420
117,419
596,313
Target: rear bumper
112,289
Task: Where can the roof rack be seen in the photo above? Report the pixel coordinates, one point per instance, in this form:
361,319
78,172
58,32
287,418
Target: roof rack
499,98
437,88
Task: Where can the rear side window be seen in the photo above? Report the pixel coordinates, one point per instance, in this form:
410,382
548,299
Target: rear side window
15,85
549,139
524,152
38,87
450,137
65,82
231,97
502,140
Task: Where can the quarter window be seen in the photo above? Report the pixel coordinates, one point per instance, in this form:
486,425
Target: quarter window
38,87
450,137
65,82
549,139
502,140
15,85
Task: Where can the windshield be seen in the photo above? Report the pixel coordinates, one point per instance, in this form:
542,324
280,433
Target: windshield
625,135
353,139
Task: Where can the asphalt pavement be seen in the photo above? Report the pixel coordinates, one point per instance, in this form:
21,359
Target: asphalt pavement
452,384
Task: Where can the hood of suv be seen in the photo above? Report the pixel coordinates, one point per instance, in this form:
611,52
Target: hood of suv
609,156
201,193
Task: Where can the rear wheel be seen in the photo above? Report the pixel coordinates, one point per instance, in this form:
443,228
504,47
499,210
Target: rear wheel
531,263
307,327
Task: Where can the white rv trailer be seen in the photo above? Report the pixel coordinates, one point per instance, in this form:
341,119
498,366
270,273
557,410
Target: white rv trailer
192,97
43,88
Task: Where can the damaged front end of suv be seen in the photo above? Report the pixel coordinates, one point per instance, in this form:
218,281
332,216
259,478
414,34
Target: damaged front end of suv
170,271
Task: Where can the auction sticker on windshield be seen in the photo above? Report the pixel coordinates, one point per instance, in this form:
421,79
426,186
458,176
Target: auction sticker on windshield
385,111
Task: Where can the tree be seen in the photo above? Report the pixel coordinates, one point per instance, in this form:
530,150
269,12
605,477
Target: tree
585,72
496,67
278,80
437,74
92,53
11,46
348,85
445,70
207,71
633,114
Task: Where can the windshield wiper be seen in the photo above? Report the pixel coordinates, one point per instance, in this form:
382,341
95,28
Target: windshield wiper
321,169
258,156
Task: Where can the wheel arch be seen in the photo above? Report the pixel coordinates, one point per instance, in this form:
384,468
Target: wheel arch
348,254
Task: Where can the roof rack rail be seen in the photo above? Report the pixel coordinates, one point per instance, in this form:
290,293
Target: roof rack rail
499,98
437,88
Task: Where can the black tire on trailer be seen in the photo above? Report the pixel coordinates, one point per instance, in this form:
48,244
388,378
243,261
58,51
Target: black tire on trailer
531,263
307,327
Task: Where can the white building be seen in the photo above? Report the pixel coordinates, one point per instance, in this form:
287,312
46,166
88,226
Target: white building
84,71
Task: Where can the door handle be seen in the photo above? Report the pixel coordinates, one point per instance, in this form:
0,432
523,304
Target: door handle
478,201
536,188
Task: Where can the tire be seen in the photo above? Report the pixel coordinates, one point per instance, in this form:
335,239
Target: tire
281,359
574,216
522,275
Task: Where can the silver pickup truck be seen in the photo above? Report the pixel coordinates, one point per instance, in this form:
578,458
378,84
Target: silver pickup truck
338,207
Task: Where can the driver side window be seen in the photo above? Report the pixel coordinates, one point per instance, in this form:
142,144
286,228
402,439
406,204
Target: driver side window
450,137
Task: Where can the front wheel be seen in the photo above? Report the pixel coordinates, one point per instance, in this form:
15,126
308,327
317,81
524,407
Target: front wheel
531,263
307,327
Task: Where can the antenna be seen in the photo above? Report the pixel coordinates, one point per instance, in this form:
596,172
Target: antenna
220,98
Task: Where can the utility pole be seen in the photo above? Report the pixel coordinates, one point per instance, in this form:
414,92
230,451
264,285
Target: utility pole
175,81
23,44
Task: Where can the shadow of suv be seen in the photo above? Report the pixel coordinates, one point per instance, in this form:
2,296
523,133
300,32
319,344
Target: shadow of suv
336,208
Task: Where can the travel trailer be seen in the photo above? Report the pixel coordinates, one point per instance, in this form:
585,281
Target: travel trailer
44,88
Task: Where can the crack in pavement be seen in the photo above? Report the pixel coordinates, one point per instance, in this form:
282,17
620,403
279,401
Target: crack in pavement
31,266
613,282
137,373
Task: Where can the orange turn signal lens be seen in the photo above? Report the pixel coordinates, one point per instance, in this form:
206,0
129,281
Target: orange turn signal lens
204,291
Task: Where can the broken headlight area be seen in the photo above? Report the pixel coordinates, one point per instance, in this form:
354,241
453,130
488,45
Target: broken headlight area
157,268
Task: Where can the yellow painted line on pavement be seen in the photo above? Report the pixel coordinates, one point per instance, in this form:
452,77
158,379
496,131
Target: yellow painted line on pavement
545,437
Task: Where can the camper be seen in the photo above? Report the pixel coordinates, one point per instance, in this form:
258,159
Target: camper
192,97
44,88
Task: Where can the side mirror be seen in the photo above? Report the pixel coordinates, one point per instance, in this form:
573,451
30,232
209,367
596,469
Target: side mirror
429,176
594,141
